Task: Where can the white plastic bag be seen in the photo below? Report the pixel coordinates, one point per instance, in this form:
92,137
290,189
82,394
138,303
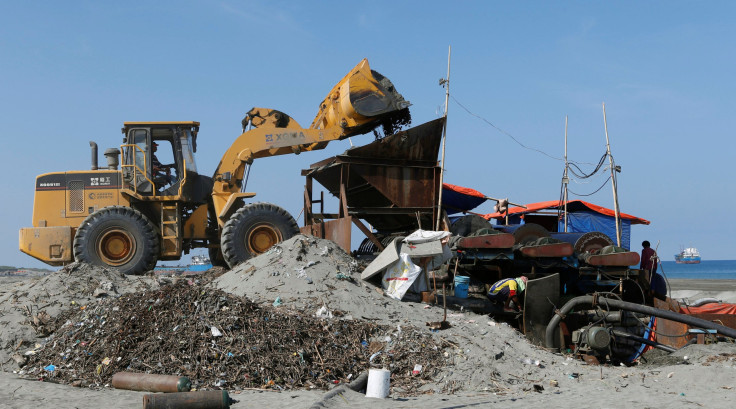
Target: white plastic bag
400,276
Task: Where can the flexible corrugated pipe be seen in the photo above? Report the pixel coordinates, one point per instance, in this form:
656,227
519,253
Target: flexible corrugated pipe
623,305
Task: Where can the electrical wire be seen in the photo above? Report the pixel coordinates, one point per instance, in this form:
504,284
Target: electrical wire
512,136
584,175
591,194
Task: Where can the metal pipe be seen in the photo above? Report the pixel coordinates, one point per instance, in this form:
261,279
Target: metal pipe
565,179
446,83
93,145
623,305
613,180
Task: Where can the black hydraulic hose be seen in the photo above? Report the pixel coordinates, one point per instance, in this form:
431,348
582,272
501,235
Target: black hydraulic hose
623,305
644,341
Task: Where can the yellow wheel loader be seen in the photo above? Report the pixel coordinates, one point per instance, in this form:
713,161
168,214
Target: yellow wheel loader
138,211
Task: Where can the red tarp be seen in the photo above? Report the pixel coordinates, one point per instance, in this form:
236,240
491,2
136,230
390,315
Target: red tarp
713,308
571,206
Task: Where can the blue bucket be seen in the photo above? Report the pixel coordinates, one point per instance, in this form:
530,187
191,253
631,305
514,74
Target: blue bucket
461,286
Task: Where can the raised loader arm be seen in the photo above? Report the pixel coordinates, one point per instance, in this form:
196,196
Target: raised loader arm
360,102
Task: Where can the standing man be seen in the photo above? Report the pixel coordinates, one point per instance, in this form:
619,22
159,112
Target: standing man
649,260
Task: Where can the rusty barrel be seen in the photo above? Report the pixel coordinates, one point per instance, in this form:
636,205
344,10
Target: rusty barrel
188,400
150,382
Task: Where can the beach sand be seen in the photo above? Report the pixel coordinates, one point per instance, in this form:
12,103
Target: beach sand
492,364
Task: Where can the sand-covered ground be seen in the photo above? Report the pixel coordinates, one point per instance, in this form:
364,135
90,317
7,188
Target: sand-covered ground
485,363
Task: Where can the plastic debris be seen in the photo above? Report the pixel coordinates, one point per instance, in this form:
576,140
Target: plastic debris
417,369
529,361
247,355
50,368
277,302
323,312
215,332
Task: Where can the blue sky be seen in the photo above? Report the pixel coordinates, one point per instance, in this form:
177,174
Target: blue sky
71,72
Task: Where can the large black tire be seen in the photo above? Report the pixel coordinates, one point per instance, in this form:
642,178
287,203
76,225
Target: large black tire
119,238
253,229
216,257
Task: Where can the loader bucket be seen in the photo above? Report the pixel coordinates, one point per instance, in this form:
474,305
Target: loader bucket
362,101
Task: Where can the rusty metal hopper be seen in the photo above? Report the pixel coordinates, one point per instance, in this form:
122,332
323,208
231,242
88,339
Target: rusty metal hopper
390,183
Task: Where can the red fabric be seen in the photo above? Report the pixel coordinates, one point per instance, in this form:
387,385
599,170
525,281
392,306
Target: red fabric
652,336
647,261
713,308
554,204
464,190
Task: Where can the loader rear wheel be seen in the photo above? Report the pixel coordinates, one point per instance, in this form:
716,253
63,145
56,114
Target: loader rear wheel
253,229
119,238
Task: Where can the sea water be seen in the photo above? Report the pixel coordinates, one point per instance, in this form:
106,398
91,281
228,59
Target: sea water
705,270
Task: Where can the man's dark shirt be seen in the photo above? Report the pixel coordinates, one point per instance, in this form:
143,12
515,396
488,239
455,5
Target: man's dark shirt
647,260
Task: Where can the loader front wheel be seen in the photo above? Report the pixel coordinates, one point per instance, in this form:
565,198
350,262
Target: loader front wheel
253,229
118,238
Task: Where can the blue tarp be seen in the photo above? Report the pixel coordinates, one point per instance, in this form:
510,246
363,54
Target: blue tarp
456,202
584,221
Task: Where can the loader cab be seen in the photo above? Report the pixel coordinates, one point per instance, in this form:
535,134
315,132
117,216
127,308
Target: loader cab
158,158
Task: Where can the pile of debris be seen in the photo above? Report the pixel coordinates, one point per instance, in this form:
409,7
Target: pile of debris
223,341
29,306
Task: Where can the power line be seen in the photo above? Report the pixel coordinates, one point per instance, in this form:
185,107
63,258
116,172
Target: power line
512,136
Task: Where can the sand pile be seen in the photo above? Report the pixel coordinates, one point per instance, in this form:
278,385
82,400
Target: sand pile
306,273
310,273
28,307
223,341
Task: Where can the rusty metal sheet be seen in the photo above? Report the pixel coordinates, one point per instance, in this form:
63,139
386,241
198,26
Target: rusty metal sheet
420,143
388,181
548,250
489,241
665,327
540,298
337,230
628,258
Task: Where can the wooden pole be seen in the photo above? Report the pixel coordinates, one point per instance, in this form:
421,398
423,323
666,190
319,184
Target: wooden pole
446,83
613,180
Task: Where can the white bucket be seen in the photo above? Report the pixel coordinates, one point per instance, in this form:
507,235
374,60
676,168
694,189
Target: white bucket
379,382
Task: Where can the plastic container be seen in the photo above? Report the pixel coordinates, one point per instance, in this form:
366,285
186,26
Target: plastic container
379,383
461,286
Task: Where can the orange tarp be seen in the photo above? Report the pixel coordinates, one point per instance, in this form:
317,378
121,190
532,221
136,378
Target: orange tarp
555,204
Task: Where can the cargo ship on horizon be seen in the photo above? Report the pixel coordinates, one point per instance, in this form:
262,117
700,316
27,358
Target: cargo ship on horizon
689,255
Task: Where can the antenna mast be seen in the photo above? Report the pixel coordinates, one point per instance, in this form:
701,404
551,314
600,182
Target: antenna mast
446,83
613,180
565,179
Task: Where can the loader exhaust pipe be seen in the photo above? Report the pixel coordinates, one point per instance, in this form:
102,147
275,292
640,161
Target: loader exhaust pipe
93,145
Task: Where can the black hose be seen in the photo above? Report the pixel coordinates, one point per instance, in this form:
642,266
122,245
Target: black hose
623,305
644,341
